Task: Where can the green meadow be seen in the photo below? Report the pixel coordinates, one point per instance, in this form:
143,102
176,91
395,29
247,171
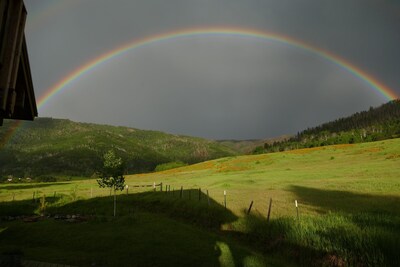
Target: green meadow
348,213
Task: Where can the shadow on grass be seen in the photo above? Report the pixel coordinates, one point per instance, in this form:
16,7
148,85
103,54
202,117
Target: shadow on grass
278,237
348,202
151,229
29,186
365,226
329,240
23,207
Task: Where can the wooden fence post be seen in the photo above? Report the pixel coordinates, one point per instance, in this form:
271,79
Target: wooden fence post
154,186
225,198
127,189
251,205
199,194
297,209
181,192
269,209
208,198
160,187
190,193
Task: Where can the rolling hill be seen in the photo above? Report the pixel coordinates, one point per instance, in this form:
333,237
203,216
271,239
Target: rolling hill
375,124
63,147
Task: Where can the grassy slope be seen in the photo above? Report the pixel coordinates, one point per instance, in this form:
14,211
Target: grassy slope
349,197
54,146
335,174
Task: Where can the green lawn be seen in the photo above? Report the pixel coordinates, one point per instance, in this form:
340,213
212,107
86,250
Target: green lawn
143,239
349,213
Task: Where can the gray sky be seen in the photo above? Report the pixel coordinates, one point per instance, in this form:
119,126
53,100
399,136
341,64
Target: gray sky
219,87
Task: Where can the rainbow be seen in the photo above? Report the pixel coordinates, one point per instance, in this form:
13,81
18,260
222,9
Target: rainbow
376,85
372,82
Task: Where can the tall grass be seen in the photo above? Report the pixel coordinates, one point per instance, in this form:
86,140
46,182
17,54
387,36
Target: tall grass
360,239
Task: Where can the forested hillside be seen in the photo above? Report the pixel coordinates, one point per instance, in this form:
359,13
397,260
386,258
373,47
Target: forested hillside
375,124
63,147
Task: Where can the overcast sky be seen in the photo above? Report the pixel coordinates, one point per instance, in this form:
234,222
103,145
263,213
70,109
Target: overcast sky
218,87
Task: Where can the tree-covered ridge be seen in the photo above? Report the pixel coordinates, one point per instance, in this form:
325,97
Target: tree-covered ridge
378,123
64,147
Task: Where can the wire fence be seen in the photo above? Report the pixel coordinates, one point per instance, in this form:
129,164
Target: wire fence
236,200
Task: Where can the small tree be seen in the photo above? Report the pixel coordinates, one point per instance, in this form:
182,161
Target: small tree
111,175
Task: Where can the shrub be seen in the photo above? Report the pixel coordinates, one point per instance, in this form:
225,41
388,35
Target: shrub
46,178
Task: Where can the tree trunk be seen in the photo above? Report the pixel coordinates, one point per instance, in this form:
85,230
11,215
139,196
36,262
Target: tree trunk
115,202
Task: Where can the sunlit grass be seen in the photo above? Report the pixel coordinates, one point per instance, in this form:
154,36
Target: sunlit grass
348,195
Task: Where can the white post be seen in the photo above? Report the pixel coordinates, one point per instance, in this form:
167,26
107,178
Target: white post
115,202
297,209
225,198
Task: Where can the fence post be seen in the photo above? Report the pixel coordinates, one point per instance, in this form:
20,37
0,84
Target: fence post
225,198
251,205
181,192
13,196
154,186
208,198
297,209
199,194
160,187
190,193
269,209
91,192
127,189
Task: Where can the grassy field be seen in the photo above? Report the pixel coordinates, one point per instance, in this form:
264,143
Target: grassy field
349,213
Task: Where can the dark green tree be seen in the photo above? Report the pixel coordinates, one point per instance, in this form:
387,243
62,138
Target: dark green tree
112,174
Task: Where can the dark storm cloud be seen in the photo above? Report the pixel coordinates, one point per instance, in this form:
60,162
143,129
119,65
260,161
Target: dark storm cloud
215,87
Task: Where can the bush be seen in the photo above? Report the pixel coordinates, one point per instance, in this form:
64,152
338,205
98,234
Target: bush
258,150
46,178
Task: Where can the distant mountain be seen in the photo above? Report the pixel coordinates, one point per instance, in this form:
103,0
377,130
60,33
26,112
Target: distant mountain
248,146
378,123
64,147
241,146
